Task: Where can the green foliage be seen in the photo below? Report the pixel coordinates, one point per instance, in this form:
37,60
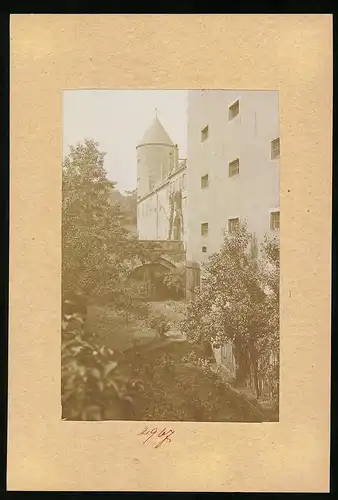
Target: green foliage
93,387
239,301
159,322
128,206
98,250
175,281
174,390
203,363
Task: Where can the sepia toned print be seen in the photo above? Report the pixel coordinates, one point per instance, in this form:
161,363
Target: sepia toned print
170,256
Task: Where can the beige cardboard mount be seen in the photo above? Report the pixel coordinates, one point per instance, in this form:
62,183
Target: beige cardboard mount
288,53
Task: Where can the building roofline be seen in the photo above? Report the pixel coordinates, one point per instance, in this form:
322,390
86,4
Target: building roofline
183,166
156,144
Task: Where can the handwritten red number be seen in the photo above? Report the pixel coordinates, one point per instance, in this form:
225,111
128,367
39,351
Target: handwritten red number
163,433
152,433
167,438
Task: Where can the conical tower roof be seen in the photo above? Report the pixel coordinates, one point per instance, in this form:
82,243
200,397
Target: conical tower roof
156,134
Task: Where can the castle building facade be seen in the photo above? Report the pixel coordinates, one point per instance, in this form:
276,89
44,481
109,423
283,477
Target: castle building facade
233,156
231,174
161,187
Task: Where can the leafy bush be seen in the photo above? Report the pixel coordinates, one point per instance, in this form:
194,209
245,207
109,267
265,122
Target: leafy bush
175,281
203,363
93,387
239,302
159,322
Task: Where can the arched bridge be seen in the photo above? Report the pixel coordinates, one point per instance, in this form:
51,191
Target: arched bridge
167,256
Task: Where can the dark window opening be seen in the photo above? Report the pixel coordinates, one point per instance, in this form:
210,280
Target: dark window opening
204,228
234,168
234,110
233,224
205,133
204,181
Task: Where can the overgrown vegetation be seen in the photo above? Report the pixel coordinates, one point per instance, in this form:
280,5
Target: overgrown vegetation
177,389
93,386
239,301
98,248
98,251
159,323
175,281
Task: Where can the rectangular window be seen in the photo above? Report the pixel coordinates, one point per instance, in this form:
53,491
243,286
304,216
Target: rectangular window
275,148
204,228
204,181
204,249
234,168
274,221
234,110
183,182
233,224
205,134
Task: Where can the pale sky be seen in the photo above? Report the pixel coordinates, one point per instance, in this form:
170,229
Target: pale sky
117,120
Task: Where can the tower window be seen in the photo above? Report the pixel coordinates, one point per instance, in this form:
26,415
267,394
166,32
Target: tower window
233,224
275,149
205,134
274,221
234,168
204,228
204,181
204,249
234,110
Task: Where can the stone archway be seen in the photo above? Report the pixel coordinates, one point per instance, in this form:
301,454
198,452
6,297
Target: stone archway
151,275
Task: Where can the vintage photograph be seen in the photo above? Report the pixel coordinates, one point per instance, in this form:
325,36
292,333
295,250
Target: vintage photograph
170,255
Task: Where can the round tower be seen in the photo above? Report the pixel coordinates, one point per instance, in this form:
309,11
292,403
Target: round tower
156,155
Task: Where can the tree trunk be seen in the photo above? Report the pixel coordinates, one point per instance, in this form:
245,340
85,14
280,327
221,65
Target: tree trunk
254,364
241,357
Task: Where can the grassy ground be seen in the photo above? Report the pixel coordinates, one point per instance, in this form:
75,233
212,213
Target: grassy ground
112,329
175,390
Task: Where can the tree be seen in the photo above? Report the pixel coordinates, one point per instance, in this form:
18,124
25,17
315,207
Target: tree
98,252
160,323
98,249
174,280
238,301
128,205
